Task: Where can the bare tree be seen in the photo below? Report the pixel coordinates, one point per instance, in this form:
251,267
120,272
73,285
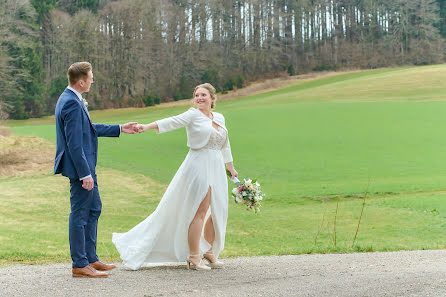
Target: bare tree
165,47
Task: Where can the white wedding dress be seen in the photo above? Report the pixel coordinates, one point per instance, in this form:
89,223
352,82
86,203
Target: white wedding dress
162,238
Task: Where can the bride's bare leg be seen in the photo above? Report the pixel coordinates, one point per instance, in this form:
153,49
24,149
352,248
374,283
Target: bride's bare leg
209,231
196,227
209,235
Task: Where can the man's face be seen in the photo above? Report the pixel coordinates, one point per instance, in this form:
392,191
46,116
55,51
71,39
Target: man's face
86,84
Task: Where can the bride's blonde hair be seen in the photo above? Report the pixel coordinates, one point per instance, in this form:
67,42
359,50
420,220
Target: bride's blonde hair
211,90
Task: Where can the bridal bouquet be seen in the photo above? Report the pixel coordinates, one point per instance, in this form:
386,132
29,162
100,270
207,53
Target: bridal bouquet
248,193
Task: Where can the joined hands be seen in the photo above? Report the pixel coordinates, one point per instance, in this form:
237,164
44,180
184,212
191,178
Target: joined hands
134,128
142,128
129,128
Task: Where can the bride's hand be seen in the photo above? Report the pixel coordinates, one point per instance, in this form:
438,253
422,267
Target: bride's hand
142,128
230,169
234,173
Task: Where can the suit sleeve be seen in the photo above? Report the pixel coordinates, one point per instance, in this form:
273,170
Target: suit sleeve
72,116
107,130
175,122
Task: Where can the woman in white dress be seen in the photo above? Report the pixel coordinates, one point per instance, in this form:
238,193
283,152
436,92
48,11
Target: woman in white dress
173,232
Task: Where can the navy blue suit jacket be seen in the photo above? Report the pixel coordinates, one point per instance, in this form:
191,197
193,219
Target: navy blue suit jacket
77,137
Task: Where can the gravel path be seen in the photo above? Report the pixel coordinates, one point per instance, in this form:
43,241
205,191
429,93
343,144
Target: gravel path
407,273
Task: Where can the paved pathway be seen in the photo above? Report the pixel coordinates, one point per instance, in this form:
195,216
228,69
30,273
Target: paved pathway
413,273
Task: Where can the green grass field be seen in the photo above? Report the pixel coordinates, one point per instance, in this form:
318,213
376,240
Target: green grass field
311,145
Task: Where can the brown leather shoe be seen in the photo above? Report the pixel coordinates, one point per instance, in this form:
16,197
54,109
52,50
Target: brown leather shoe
98,265
88,271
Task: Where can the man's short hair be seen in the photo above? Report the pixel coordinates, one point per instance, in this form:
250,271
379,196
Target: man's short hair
78,70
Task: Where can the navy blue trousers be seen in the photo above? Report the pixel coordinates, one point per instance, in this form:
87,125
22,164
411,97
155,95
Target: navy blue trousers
85,211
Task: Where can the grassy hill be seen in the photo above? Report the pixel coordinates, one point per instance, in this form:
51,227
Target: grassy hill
311,145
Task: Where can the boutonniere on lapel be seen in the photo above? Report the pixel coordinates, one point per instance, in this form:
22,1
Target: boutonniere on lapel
85,102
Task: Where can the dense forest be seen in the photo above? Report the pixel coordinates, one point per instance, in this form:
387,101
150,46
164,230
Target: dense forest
144,51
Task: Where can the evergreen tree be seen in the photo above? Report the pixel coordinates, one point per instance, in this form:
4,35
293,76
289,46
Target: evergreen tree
441,24
22,49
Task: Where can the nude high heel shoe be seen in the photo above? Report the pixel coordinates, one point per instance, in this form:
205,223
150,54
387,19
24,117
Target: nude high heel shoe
199,266
214,264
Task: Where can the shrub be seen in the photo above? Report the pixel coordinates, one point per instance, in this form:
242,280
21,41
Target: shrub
149,100
239,81
177,96
228,85
211,76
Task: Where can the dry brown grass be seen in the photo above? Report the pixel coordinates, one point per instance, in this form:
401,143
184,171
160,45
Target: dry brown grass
272,84
5,131
20,155
261,86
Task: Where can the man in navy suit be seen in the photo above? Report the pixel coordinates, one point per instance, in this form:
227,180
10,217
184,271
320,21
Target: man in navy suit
76,158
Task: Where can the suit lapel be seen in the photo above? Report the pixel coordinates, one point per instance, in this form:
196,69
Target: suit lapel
86,110
83,108
88,115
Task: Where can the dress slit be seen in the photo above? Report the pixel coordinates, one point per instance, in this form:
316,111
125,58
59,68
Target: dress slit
204,244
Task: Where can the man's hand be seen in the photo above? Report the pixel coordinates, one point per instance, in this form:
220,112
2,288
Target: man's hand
129,128
88,183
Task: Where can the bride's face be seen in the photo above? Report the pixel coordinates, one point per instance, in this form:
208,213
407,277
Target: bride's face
203,99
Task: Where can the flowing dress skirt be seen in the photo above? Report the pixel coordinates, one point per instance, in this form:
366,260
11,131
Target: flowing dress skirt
162,238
